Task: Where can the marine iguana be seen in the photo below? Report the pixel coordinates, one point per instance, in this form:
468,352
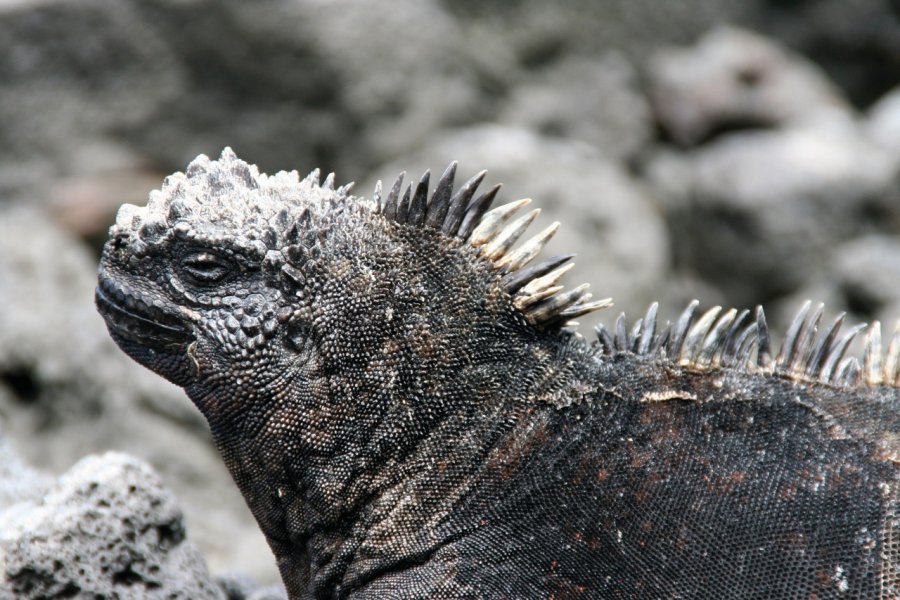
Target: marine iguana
400,396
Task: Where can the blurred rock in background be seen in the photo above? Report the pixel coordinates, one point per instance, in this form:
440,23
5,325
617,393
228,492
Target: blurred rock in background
737,151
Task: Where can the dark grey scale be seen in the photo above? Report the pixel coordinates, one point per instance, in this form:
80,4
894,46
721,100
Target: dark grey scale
440,199
458,204
393,198
403,207
606,341
419,204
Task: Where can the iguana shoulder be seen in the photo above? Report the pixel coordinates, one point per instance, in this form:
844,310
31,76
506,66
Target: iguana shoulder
398,390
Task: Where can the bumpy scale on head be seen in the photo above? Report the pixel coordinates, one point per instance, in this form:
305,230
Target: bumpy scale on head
214,258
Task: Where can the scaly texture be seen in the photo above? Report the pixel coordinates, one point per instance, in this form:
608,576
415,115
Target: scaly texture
398,393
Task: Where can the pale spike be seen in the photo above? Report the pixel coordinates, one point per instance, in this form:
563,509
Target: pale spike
782,361
313,178
648,330
510,234
823,346
744,346
872,356
525,253
847,374
676,339
805,343
584,308
376,197
328,184
493,221
554,305
548,280
696,335
523,301
892,359
830,367
715,338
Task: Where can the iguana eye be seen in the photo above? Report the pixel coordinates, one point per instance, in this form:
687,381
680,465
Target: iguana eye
206,267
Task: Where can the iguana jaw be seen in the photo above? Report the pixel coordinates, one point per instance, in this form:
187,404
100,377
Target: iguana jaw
147,333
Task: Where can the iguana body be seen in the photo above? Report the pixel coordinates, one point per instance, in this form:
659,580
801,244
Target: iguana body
396,393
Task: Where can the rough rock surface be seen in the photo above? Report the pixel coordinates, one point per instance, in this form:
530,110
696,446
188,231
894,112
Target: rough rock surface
754,212
861,276
107,529
735,79
591,100
883,123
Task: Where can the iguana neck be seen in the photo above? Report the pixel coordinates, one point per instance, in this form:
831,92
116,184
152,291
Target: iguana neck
359,476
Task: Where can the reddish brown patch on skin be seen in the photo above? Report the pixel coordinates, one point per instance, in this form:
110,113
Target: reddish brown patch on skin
526,438
788,491
728,483
647,488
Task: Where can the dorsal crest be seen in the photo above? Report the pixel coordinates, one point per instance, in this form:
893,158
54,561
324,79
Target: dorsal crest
461,214
810,352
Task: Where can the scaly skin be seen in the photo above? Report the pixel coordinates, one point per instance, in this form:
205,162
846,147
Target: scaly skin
401,429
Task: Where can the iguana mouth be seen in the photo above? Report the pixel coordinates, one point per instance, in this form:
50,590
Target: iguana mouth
135,321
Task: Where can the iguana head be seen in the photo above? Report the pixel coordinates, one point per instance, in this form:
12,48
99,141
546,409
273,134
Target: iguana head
233,280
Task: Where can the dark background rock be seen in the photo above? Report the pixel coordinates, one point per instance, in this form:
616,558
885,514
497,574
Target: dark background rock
644,126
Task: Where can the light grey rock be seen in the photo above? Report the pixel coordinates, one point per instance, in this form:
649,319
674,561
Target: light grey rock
755,213
607,218
107,528
540,32
855,41
334,84
736,79
861,276
72,73
20,484
883,123
595,100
